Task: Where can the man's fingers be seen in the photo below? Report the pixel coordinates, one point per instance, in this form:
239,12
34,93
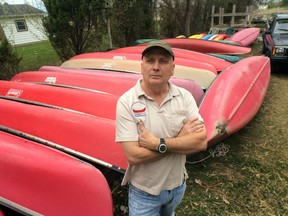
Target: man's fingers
141,126
196,126
197,129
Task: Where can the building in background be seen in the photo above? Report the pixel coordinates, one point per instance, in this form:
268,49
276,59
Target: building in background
21,24
263,5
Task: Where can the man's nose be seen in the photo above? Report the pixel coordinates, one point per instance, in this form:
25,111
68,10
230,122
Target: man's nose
156,65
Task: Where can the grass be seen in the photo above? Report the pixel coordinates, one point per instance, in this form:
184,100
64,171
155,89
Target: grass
36,55
251,179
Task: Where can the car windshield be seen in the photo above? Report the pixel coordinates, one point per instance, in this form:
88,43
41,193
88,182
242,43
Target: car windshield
281,26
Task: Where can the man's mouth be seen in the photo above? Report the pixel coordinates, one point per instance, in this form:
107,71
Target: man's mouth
155,76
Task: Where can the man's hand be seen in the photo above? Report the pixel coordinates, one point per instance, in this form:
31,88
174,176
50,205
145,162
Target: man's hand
146,139
193,125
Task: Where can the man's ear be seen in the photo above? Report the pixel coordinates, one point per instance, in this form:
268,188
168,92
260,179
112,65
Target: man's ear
141,67
173,69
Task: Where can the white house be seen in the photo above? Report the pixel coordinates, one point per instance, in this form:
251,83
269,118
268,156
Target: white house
22,23
263,5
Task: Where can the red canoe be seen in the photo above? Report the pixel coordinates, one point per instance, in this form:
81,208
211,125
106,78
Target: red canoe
89,82
206,46
89,137
245,37
137,56
218,63
69,98
97,80
38,180
235,97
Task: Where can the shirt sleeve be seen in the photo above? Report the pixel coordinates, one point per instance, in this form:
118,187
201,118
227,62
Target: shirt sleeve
126,127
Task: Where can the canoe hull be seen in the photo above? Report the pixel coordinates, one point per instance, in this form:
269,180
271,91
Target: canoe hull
235,97
206,46
98,80
245,37
45,181
137,56
93,103
202,76
86,136
217,63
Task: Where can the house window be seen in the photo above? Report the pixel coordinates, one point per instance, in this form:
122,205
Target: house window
21,25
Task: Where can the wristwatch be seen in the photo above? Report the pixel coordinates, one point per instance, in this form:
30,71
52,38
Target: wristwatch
162,148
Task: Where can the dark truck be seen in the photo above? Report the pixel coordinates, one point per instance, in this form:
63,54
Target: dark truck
275,38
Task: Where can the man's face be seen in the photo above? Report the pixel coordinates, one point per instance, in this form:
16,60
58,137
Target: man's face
157,66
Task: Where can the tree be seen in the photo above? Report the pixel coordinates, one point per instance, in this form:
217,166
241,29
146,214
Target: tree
284,3
9,60
75,27
132,20
171,17
193,16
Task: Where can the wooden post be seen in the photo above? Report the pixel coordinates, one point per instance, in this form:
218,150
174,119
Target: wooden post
221,17
233,16
212,16
250,14
247,16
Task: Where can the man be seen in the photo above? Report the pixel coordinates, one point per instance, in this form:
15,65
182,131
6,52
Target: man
157,124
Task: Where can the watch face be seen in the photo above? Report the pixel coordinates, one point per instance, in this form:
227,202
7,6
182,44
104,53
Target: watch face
162,148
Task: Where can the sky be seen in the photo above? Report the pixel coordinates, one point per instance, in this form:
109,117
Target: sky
16,1
34,3
31,2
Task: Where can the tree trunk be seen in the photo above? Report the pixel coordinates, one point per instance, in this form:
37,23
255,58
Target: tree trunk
109,33
187,18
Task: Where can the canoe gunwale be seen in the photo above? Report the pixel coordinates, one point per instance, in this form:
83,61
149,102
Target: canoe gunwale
17,208
64,149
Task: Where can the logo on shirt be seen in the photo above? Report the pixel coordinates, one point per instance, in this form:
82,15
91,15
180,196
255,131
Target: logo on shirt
139,109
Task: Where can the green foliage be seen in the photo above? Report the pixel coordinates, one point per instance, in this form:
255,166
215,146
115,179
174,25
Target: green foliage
172,18
74,27
284,3
9,61
172,14
132,20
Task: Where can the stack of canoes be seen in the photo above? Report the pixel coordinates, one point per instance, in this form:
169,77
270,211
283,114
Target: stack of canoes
59,121
243,37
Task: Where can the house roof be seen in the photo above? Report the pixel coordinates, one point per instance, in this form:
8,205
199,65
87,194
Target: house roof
11,10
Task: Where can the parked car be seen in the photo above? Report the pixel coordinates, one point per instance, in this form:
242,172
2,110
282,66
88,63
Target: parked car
275,38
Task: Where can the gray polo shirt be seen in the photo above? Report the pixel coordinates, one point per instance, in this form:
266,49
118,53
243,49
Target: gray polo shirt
163,121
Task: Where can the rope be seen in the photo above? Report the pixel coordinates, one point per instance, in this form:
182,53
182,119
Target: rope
220,150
